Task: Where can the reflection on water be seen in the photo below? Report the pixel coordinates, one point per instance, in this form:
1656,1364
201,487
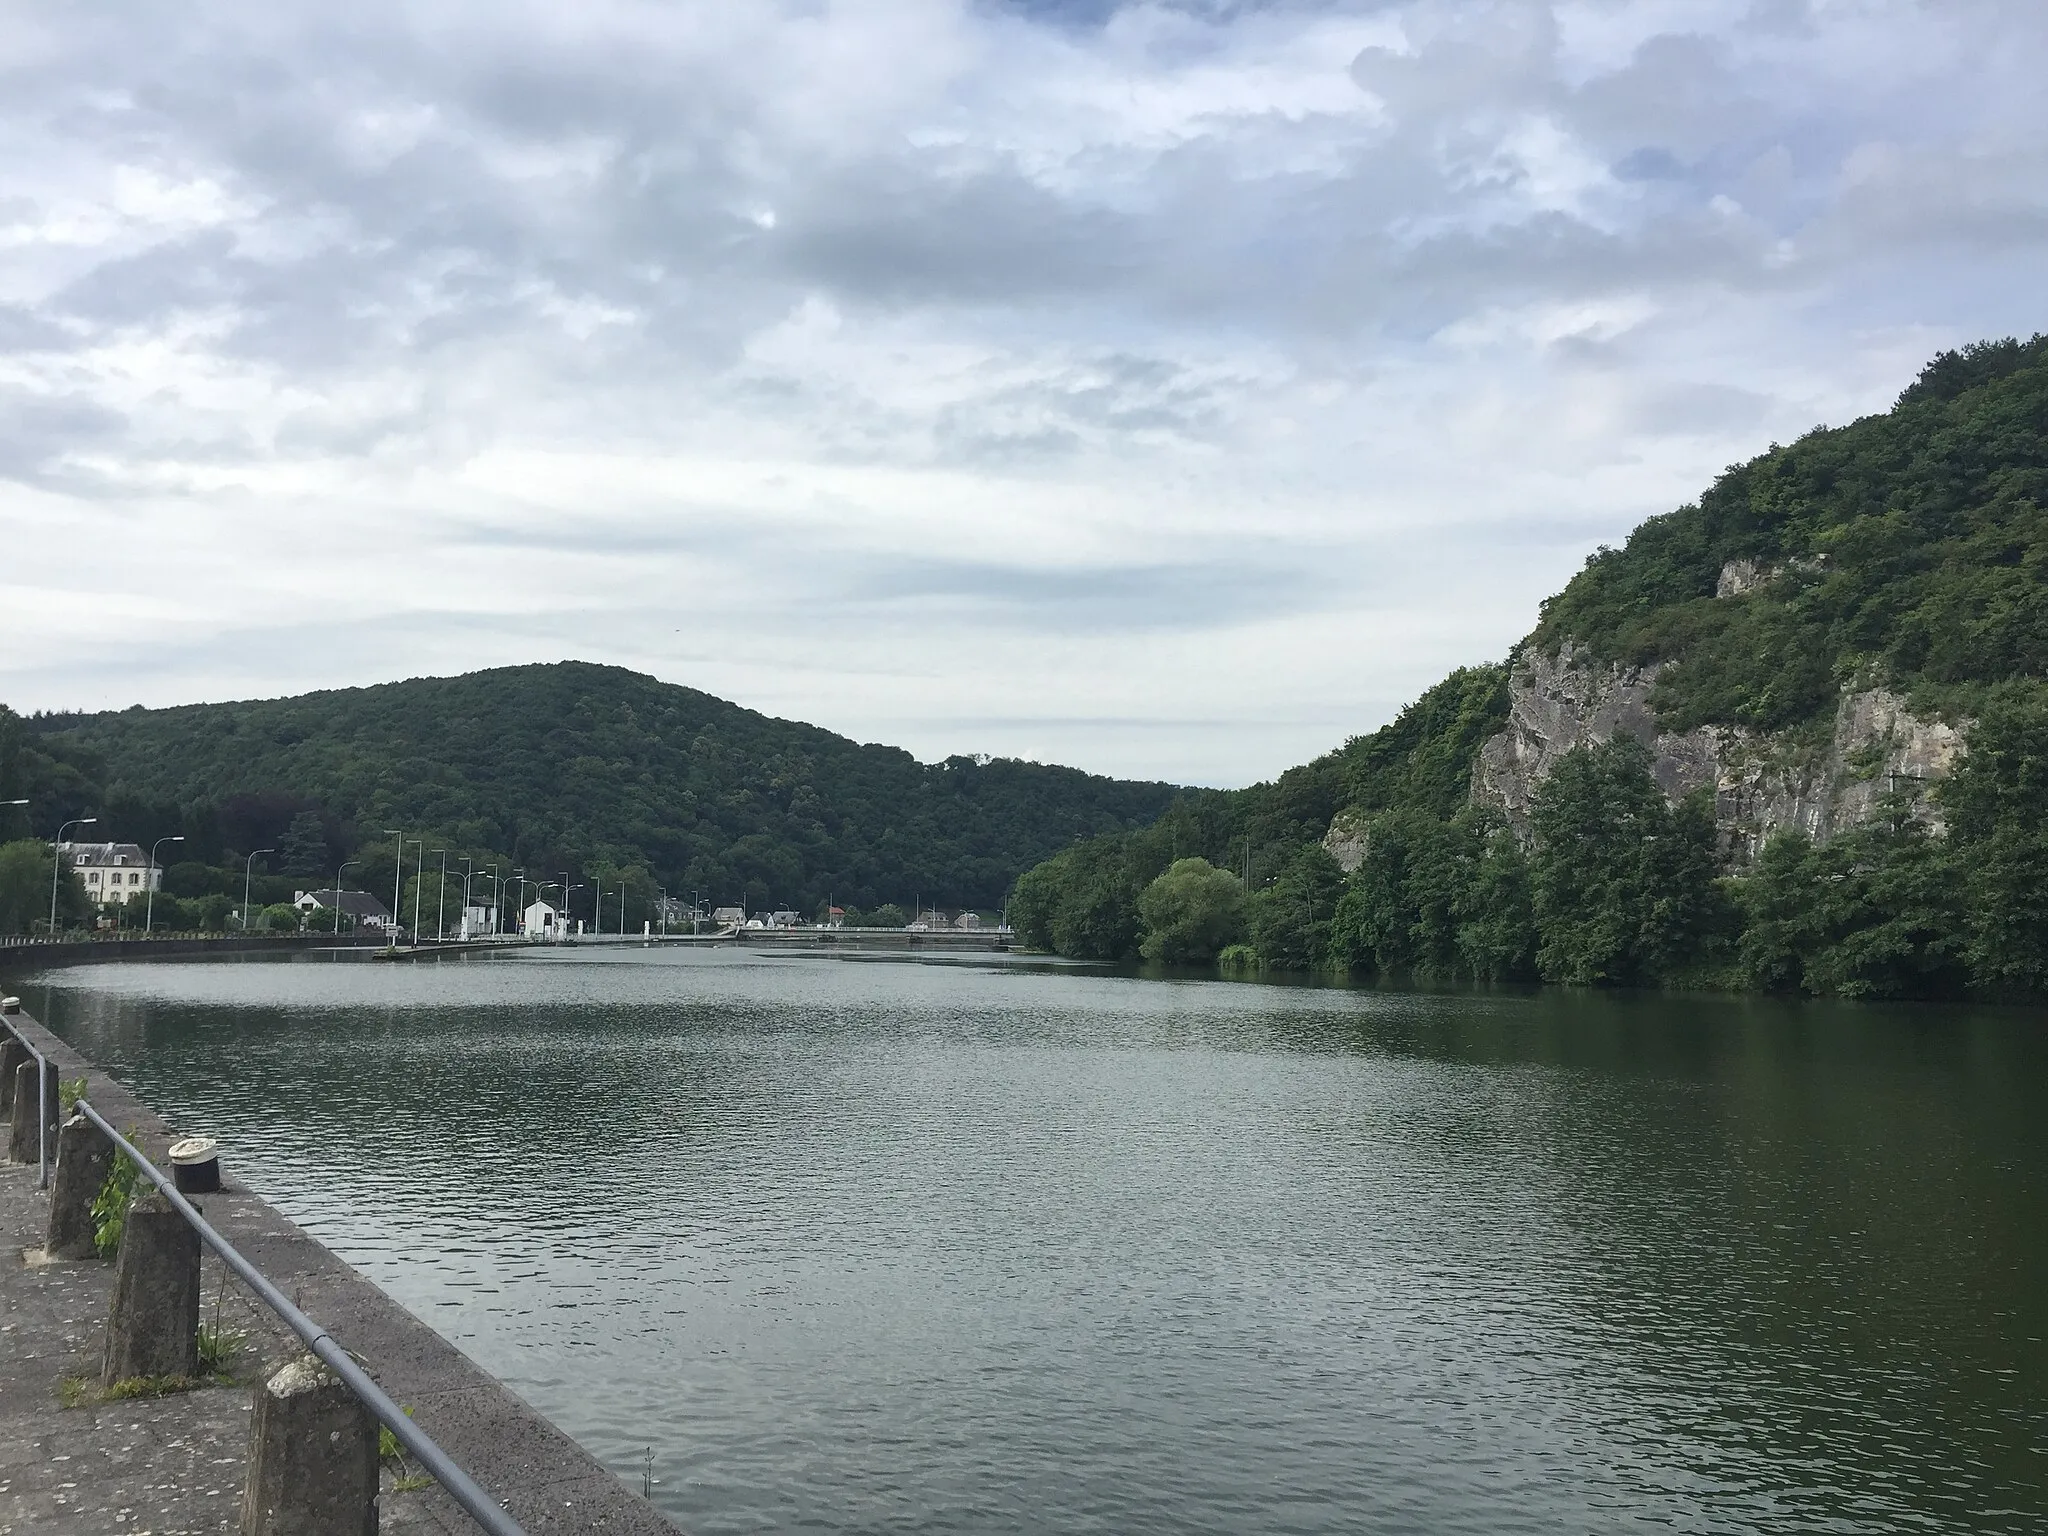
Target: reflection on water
969,1247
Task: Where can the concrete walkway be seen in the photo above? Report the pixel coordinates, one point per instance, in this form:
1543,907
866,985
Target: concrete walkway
169,1466
176,1464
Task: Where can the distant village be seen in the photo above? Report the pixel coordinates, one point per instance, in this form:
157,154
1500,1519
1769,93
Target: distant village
117,874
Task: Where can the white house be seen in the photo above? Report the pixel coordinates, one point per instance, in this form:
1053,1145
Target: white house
728,917
544,922
112,872
366,910
475,921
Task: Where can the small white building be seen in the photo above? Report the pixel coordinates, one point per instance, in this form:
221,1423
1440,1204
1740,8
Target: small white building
112,872
476,922
543,922
364,910
727,917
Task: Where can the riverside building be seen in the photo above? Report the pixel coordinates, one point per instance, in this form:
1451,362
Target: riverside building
112,872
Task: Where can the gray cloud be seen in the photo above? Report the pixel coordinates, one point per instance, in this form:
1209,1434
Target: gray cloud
1031,316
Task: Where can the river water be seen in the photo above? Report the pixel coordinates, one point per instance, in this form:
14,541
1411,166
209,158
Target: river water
958,1247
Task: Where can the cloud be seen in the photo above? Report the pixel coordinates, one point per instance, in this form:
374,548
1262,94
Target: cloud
1194,362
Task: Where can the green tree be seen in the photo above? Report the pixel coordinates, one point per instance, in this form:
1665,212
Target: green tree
1997,804
25,889
1190,913
1290,920
1497,927
302,850
1622,884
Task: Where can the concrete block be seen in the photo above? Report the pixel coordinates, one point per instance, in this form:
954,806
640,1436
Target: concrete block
84,1154
23,1125
12,1054
153,1323
312,1457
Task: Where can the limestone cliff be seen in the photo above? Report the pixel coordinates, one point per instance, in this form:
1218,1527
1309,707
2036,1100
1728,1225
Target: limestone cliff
1761,784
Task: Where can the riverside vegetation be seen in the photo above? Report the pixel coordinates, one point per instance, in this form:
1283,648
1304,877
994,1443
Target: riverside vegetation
1908,550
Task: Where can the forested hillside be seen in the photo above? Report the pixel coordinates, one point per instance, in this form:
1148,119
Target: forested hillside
588,769
1907,551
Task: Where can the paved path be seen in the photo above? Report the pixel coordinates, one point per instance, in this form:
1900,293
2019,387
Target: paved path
176,1464
168,1466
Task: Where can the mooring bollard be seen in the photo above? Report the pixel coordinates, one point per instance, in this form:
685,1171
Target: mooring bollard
84,1156
312,1457
153,1324
24,1127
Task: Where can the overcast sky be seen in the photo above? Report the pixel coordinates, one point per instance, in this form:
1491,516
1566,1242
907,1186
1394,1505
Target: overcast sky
1174,390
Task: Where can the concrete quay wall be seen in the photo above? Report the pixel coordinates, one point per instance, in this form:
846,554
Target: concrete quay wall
551,1485
19,954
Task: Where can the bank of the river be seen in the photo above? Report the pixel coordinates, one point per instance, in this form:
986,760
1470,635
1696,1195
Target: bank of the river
988,1245
177,1463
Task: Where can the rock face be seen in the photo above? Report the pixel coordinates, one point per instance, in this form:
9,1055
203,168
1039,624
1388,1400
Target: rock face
1760,784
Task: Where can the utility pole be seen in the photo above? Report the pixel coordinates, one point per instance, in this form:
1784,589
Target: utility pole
441,912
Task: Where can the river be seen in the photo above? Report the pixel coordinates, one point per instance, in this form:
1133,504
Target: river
879,1245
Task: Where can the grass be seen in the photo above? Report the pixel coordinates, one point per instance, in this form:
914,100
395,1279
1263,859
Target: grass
408,1478
218,1347
82,1392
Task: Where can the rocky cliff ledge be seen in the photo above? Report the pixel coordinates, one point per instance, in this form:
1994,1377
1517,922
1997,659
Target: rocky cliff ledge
1761,783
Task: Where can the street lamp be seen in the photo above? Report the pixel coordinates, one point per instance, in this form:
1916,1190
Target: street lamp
57,863
397,874
248,865
419,878
337,894
149,916
664,909
441,911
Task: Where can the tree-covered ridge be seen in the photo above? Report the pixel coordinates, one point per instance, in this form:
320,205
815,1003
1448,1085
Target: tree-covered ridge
1908,549
573,766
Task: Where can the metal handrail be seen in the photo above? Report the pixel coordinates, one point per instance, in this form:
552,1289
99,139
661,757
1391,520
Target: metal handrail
460,1485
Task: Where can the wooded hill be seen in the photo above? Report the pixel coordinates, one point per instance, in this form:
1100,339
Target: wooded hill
591,769
1908,550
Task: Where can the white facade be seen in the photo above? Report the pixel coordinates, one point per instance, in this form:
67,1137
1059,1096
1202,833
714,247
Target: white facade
112,872
544,922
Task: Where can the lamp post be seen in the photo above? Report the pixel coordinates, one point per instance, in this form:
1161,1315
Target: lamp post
441,911
663,890
419,878
57,863
597,908
337,894
397,874
465,898
149,913
248,867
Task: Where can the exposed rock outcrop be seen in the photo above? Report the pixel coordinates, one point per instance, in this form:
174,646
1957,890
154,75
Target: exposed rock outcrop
1761,784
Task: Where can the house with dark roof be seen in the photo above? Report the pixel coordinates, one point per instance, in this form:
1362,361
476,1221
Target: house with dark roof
365,910
112,872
